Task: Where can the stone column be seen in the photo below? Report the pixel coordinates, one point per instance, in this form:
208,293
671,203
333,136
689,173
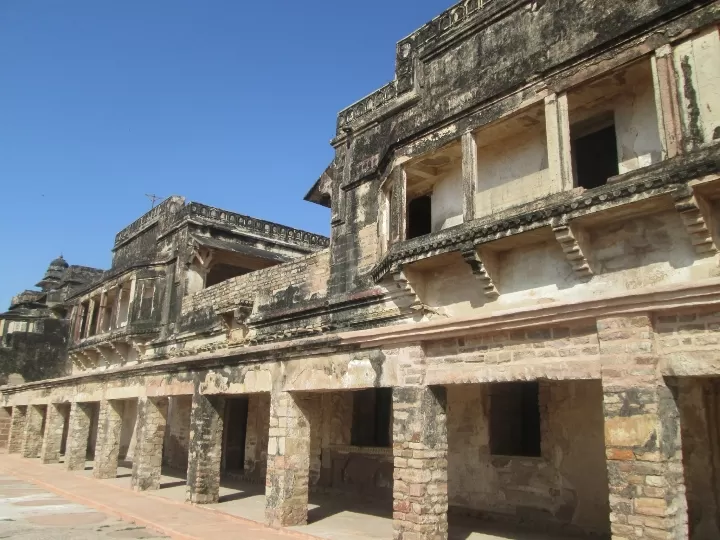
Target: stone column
420,488
667,101
205,449
288,467
33,437
78,435
642,435
469,175
17,429
52,441
107,446
147,462
5,421
557,130
398,207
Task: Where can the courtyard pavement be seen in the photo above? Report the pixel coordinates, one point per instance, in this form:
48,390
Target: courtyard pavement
239,514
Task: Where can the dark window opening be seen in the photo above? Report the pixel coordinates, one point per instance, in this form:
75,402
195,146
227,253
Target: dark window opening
515,419
595,157
419,217
372,418
223,272
235,427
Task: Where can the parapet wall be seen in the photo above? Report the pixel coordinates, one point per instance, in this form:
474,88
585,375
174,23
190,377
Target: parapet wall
284,285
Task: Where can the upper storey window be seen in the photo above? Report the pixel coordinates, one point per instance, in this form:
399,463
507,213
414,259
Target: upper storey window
594,151
614,125
434,198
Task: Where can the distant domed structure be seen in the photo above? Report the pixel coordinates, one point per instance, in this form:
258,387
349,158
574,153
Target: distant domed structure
54,274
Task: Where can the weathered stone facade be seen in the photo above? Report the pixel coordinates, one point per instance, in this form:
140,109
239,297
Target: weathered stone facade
515,318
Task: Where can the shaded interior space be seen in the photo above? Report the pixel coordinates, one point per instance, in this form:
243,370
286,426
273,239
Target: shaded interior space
613,125
699,404
434,198
128,435
525,458
235,423
94,414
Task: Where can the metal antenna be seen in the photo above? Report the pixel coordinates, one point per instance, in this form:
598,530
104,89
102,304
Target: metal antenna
153,199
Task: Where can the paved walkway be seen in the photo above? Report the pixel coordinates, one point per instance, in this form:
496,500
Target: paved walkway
28,512
239,512
176,520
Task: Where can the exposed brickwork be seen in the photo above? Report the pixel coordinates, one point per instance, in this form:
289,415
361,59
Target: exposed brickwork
256,438
310,273
205,453
17,429
420,488
32,441
516,346
642,435
147,464
288,472
54,428
78,433
107,448
5,422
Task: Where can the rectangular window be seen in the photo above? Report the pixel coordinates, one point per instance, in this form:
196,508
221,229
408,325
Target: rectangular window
372,418
419,216
594,150
515,419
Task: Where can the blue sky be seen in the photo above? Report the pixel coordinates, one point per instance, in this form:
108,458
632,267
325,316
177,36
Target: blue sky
226,102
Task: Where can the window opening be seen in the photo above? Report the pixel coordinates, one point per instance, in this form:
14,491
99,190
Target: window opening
419,221
372,418
595,155
515,419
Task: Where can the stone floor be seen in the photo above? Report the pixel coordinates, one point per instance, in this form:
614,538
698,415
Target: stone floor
334,518
28,512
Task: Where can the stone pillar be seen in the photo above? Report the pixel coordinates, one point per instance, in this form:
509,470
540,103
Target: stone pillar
398,206
642,435
88,322
33,437
5,421
205,449
147,463
288,468
107,445
17,429
78,435
420,478
557,130
52,441
667,101
469,175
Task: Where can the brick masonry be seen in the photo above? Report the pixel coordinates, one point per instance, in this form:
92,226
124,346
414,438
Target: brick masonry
17,429
642,435
288,472
32,441
107,447
205,449
147,464
80,421
420,448
54,428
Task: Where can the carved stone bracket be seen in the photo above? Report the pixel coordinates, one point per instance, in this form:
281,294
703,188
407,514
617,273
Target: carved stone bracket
574,243
480,270
121,349
403,284
697,218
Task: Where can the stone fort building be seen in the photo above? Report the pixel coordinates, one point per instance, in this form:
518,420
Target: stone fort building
516,317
